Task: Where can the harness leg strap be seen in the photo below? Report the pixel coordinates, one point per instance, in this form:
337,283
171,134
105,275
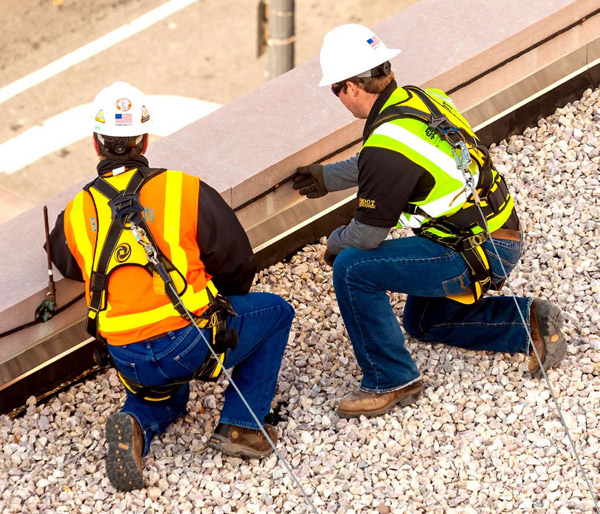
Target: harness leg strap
221,339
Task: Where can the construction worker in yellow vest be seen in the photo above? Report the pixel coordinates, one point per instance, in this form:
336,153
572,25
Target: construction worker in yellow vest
420,167
167,270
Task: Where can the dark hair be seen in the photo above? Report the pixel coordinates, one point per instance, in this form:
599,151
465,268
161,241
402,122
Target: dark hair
120,148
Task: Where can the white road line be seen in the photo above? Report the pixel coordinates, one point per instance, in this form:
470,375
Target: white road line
93,48
76,123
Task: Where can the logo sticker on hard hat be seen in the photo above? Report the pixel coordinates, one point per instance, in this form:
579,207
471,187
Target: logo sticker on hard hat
100,116
123,104
145,114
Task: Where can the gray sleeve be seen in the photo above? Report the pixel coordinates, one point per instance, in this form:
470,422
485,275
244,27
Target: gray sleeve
356,235
341,175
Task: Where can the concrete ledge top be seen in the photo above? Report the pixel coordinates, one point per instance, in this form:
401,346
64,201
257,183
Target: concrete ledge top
257,140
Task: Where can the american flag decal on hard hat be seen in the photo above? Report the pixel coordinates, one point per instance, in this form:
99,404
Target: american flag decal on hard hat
123,118
374,41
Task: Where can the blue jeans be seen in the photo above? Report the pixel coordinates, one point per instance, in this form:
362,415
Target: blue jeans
427,272
263,325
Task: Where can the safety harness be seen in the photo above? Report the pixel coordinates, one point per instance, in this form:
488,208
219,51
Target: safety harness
463,231
127,215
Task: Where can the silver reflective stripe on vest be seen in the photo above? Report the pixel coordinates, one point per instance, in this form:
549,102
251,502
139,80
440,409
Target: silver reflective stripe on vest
411,220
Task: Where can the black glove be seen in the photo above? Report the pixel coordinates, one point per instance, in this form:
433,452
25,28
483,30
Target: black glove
309,180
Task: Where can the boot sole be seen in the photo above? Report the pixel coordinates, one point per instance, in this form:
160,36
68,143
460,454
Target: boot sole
403,401
121,468
224,445
549,326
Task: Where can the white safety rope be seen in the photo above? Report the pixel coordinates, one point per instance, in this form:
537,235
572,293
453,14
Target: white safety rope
259,423
141,237
462,161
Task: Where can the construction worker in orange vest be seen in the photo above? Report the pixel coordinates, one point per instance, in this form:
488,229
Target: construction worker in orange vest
167,270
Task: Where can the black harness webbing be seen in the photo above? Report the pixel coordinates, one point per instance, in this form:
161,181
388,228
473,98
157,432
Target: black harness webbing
221,340
459,225
439,122
125,209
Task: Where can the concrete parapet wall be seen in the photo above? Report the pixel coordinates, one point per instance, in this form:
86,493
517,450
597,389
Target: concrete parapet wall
483,52
491,55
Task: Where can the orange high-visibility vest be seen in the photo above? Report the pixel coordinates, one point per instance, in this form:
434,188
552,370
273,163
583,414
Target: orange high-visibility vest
135,304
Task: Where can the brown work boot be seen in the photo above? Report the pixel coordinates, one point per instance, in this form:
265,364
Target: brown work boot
361,403
242,442
124,457
546,320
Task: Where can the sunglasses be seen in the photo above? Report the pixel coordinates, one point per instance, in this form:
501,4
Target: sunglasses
336,88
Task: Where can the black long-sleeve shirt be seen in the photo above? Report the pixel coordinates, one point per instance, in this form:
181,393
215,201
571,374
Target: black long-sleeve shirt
387,180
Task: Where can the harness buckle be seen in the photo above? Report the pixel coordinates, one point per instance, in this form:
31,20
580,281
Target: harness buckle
440,123
463,160
469,241
141,237
98,281
125,208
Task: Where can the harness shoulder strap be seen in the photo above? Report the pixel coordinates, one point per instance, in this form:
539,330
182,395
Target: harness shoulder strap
439,122
461,223
124,205
433,118
399,111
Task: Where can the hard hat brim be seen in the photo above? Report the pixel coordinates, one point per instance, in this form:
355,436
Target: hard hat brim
386,55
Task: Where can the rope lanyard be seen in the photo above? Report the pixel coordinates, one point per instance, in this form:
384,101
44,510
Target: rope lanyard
262,429
152,256
462,163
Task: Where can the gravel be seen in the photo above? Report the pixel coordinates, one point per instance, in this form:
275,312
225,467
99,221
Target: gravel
484,438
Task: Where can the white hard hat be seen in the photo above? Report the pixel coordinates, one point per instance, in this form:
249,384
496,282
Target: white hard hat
349,50
120,110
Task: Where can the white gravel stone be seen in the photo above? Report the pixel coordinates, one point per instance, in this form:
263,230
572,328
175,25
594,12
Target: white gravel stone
484,438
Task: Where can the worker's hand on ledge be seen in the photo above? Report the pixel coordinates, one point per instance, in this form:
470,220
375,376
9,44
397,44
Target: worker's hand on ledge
328,257
309,180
